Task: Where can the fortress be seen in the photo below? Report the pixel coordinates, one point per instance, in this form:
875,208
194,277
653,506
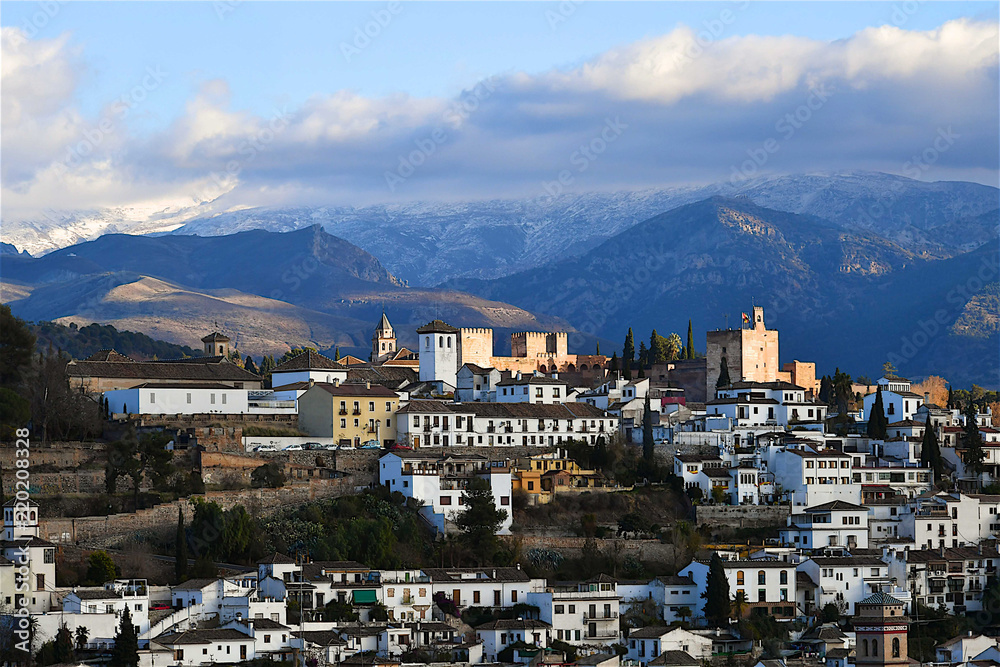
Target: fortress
444,349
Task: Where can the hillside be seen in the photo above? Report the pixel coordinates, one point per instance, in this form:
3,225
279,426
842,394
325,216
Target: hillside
840,298
273,291
81,342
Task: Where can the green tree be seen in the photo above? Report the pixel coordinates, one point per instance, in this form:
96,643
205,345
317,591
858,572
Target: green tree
740,602
643,355
101,568
81,636
250,365
597,350
930,451
889,370
877,422
830,613
64,645
336,353
613,365
689,350
15,413
723,380
481,519
673,347
657,350
716,593
826,390
842,387
180,549
270,476
648,445
154,460
972,440
17,344
126,650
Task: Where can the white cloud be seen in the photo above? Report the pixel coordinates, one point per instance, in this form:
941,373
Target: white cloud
693,109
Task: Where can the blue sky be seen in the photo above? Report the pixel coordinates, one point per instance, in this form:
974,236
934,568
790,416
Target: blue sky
161,111
284,52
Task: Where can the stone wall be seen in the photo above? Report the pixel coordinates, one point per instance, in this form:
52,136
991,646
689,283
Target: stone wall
58,455
572,547
50,483
108,529
741,516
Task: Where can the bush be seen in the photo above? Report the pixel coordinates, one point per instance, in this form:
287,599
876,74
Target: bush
270,475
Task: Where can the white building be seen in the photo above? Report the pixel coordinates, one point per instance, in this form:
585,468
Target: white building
953,578
438,343
431,423
765,404
585,613
648,643
898,402
482,587
951,520
192,648
811,475
845,580
441,483
498,635
178,399
477,384
538,389
833,524
310,365
765,581
20,548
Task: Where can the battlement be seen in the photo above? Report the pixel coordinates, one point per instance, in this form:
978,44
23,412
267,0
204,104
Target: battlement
476,330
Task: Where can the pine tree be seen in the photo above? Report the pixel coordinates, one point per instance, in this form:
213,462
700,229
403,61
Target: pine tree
689,352
716,593
126,650
877,422
975,455
250,365
723,380
180,549
647,432
930,452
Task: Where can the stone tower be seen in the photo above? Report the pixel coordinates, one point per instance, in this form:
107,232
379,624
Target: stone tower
216,345
383,341
438,343
881,625
751,352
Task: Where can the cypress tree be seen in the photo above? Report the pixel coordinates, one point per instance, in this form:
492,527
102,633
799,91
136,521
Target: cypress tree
180,549
975,455
250,365
336,353
689,352
716,593
643,355
598,350
628,354
723,380
613,365
951,398
876,420
930,452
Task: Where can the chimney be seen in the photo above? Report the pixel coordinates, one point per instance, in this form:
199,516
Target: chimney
368,384
555,376
336,382
518,376
927,397
312,383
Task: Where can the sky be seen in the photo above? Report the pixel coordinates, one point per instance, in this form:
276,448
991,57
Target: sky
174,109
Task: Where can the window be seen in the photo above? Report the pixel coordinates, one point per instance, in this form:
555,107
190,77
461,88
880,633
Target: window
505,500
760,577
189,398
783,578
895,647
446,500
224,399
864,647
875,641
739,577
211,399
152,397
388,406
559,609
371,406
475,597
343,423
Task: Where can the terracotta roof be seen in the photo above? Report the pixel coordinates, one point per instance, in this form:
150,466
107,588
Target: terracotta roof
509,410
532,379
392,377
310,360
206,636
216,337
778,384
320,637
514,624
355,389
840,505
482,574
678,658
696,458
277,559
109,355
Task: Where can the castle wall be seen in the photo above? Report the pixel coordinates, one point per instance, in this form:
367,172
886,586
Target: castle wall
726,343
475,347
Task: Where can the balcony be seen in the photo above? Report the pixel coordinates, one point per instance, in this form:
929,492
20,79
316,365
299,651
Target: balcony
603,634
342,412
600,616
356,412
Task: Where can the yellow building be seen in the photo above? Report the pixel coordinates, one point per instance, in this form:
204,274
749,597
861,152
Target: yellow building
349,413
544,475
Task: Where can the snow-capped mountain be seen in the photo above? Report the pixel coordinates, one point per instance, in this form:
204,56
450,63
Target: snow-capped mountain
428,243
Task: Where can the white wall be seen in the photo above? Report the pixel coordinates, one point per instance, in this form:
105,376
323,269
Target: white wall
189,400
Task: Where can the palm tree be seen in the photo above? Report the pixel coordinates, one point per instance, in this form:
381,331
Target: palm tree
683,613
740,603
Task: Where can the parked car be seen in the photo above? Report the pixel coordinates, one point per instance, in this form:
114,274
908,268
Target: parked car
293,448
313,445
371,444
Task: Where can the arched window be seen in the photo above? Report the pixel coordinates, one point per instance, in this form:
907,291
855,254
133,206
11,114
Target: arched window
571,368
895,647
761,577
583,367
875,647
739,577
542,368
449,342
864,647
427,343
440,341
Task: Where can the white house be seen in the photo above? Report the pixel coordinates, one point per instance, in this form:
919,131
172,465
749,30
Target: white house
192,648
178,399
477,384
28,563
764,581
482,587
845,580
833,524
310,365
534,388
585,613
766,404
898,402
646,644
440,482
809,474
498,635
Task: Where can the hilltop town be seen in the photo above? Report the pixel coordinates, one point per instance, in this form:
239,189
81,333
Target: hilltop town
686,505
